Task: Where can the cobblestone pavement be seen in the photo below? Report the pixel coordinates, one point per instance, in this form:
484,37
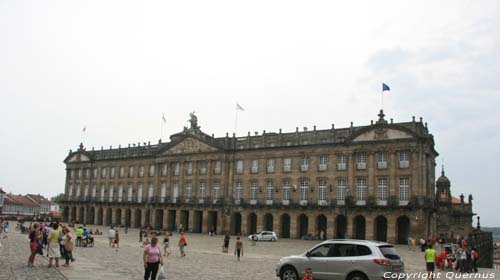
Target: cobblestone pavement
204,259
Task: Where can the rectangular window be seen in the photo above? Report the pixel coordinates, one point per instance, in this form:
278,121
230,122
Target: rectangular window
239,167
286,190
342,162
151,170
86,192
201,191
253,191
122,172
189,170
94,191
216,191
141,171
177,169
270,165
131,172
102,192
78,190
139,193
189,191
361,191
111,191
150,192
79,173
323,163
341,191
203,167
382,160
287,165
217,168
404,159
304,164
130,192
163,191
95,173
255,166
239,191
120,193
87,173
361,161
322,190
164,169
112,172
382,190
72,174
304,190
404,190
270,190
103,172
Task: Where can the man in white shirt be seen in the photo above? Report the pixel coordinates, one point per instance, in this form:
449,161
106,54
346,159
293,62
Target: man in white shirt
111,235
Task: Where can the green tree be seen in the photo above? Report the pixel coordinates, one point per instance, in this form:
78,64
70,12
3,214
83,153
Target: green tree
58,198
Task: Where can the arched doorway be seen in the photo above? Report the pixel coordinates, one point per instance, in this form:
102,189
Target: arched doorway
359,227
321,226
402,229
268,222
341,227
128,217
118,217
91,216
236,223
285,226
303,225
100,214
252,223
380,228
212,221
137,220
109,213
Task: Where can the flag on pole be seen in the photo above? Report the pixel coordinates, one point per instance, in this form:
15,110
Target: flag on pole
238,107
84,128
385,87
163,118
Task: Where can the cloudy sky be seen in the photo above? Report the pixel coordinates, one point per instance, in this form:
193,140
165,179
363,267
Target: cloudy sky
117,66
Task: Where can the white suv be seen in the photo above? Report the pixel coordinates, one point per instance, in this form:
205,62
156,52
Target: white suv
343,259
264,235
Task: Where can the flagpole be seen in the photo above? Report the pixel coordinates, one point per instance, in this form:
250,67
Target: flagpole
382,99
236,121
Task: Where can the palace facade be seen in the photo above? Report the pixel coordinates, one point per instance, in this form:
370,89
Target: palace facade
366,182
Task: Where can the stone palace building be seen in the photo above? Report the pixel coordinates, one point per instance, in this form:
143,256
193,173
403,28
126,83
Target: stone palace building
366,182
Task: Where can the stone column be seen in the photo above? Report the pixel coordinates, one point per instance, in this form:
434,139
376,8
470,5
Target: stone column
204,224
244,217
350,225
191,220
293,225
330,226
96,215
165,218
311,224
276,223
369,226
391,229
143,217
113,216
104,215
78,214
178,218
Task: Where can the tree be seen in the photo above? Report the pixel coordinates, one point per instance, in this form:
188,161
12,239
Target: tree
58,198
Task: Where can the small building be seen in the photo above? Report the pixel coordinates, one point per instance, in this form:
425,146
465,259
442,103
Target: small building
20,205
2,195
44,203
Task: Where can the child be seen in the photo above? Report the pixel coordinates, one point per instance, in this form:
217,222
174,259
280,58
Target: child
146,242
308,274
166,242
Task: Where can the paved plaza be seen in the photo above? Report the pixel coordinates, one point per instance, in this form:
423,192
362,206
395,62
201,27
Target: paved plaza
204,259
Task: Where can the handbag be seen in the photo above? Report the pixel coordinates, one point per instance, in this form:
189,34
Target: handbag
162,275
40,248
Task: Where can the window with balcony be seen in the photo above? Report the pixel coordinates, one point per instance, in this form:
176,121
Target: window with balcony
239,167
361,191
341,191
361,161
111,192
323,163
189,169
304,191
112,172
94,191
382,160
80,173
270,165
141,171
130,192
404,159
150,192
131,172
189,191
253,193
164,169
72,174
163,191
151,170
94,173
103,172
216,191
404,190
139,193
87,173
321,191
78,190
102,192
201,192
255,166
269,192
175,193
286,192
342,162
203,167
120,193
382,191
86,192
238,191
217,168
122,172
287,165
177,169
304,164
70,191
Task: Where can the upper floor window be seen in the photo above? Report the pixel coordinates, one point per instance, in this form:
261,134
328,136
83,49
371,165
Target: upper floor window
382,189
103,172
94,173
323,163
87,173
111,193
112,172
404,190
120,193
177,169
253,191
304,190
287,165
131,172
164,169
361,190
239,166
382,160
404,159
322,190
255,166
361,161
189,190
151,170
141,171
270,165
341,189
201,191
189,169
203,167
80,173
238,191
72,174
94,191
70,190
150,191
122,172
304,164
216,191
286,190
102,192
270,190
217,168
163,193
341,162
139,193
130,191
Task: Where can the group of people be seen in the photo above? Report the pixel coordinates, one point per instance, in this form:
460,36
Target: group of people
152,255
55,238
238,248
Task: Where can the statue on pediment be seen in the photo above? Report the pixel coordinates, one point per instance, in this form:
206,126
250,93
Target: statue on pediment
194,121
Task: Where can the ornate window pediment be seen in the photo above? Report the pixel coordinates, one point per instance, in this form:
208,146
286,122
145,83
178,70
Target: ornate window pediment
382,134
189,145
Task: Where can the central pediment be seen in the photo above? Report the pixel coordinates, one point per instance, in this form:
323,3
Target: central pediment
382,133
189,145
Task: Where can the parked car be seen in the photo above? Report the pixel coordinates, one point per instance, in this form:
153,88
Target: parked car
264,235
343,259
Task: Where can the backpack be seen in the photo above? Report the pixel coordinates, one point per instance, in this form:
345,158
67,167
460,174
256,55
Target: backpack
476,255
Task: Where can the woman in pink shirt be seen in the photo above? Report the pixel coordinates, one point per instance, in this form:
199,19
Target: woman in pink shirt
152,259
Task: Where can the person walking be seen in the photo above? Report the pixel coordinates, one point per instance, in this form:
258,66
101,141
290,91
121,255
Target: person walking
225,243
111,236
152,259
182,244
140,235
430,260
34,237
117,240
67,242
166,244
238,248
53,244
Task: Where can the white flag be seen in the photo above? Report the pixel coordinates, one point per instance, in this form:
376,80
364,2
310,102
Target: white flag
238,107
163,118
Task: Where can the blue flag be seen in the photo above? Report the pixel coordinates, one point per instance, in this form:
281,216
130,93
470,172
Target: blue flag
385,87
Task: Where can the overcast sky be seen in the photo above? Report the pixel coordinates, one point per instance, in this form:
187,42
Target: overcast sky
117,66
